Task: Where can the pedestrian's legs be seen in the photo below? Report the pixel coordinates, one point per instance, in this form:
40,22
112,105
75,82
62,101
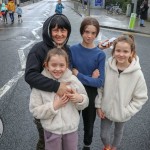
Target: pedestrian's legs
10,15
118,133
141,22
6,17
52,141
21,19
18,18
89,115
70,141
105,132
41,143
13,17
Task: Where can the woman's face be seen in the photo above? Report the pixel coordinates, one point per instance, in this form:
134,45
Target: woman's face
59,35
122,53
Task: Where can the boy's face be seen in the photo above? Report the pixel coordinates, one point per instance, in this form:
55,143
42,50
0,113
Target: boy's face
89,34
59,35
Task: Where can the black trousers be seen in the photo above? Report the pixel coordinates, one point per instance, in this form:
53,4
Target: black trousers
41,142
89,115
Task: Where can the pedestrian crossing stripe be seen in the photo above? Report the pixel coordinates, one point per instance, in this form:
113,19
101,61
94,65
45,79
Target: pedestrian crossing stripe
1,128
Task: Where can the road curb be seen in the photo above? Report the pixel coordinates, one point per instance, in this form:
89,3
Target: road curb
121,29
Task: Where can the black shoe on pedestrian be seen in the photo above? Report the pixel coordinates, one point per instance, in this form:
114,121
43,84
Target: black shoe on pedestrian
86,148
141,25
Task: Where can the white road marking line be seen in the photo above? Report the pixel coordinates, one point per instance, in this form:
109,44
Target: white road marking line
10,83
35,34
34,31
45,15
22,56
15,79
1,128
27,45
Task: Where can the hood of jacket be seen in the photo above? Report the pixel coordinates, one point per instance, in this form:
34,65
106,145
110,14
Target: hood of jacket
3,8
3,4
46,31
134,66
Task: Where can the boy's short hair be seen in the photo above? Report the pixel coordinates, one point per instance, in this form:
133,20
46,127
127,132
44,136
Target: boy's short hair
89,21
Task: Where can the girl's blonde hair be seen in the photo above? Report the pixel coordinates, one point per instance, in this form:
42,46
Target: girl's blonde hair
53,52
128,38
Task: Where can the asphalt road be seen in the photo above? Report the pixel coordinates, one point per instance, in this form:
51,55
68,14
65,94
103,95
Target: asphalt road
15,42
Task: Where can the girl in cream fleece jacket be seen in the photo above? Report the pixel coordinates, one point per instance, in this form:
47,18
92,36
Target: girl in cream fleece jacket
124,91
59,116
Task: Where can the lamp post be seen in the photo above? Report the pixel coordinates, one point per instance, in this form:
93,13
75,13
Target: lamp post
88,7
135,5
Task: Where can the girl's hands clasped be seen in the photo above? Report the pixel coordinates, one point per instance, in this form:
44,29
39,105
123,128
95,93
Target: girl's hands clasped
60,101
75,97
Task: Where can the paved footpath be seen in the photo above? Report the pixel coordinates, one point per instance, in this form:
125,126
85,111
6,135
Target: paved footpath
113,21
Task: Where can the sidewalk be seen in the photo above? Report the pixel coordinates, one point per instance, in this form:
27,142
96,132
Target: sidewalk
118,21
113,21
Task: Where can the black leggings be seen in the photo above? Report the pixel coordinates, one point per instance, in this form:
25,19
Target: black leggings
89,115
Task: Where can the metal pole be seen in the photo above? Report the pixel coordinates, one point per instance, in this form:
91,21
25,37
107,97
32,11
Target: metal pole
82,4
88,7
17,1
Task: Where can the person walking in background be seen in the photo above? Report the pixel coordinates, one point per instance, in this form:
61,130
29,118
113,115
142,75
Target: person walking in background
4,12
11,9
85,4
59,7
124,92
87,59
143,12
54,111
19,12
